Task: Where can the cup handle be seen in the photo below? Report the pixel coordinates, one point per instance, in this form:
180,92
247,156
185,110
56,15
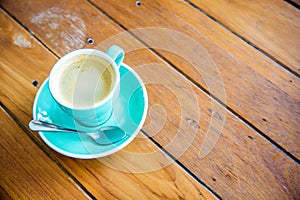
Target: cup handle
116,53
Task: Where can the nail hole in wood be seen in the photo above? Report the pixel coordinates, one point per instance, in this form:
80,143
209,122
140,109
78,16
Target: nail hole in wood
214,179
291,81
90,40
35,83
138,3
264,120
249,136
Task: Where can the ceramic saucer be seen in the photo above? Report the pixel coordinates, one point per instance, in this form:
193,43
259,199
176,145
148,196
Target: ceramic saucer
130,109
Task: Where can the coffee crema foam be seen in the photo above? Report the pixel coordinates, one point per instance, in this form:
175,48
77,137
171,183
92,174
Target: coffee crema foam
86,80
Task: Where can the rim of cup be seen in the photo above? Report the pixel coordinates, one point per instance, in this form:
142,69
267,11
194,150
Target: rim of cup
53,81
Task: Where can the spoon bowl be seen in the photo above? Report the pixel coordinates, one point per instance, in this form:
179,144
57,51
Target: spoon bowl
104,136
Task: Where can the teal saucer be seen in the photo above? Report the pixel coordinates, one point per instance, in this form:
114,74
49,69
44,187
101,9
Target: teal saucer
129,113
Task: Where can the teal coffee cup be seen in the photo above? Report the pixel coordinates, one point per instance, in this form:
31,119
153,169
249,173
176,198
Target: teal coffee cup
85,82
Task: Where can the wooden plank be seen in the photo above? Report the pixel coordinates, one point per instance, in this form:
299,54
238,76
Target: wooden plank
25,171
241,164
101,180
4,195
271,25
253,83
266,86
116,177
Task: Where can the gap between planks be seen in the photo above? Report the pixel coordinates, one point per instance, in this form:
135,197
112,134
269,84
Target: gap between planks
265,53
76,182
125,29
28,30
169,155
28,133
230,110
293,3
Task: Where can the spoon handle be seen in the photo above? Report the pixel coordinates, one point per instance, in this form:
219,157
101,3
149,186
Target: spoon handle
36,125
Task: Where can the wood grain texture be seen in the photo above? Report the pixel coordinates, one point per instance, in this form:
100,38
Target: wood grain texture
242,164
25,171
256,88
101,180
268,97
271,25
115,177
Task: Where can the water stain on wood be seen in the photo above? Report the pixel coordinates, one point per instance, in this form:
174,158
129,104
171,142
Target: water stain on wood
21,41
72,28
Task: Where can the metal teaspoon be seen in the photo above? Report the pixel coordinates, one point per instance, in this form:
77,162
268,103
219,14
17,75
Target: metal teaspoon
104,136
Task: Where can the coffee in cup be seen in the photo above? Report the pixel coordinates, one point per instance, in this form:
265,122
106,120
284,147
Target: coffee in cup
84,83
86,80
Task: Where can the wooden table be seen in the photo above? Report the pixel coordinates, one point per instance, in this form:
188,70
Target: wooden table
224,98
